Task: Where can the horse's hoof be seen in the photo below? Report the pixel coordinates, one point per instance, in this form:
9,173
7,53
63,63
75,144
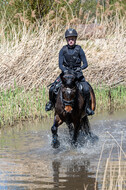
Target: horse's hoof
55,143
71,134
74,143
94,138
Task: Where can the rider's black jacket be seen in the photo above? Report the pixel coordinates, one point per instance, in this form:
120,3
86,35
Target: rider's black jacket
71,58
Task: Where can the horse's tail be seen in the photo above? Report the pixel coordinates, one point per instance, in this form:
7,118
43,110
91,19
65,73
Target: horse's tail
93,99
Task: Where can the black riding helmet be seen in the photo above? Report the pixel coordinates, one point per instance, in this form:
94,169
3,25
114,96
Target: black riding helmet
71,32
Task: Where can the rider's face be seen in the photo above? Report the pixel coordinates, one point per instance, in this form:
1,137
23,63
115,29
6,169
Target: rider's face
71,40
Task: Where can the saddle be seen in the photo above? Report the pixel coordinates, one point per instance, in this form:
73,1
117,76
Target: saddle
58,82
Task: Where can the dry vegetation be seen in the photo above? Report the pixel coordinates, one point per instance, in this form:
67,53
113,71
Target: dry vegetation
31,58
115,175
114,171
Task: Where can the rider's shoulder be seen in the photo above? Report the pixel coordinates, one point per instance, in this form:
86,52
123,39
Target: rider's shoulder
78,46
63,48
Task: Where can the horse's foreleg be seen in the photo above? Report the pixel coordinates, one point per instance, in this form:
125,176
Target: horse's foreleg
71,129
54,129
70,126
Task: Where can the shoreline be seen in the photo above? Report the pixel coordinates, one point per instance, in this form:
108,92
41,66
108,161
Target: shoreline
18,105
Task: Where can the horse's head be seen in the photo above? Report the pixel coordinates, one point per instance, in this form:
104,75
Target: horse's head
69,79
68,91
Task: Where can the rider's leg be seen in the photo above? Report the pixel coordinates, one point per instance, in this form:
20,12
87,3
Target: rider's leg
49,106
89,111
86,94
53,93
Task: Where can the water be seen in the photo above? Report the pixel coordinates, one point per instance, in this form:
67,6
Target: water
27,160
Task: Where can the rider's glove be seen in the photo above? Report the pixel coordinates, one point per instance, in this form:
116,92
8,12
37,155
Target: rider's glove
66,71
78,69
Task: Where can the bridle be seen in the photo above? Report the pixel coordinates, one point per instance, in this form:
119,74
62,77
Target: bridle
67,102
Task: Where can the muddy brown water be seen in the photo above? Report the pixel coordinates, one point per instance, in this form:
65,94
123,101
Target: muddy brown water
27,160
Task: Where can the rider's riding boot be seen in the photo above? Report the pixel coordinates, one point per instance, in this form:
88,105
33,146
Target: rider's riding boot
89,111
49,106
53,93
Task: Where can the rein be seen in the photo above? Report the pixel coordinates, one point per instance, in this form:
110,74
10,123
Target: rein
68,103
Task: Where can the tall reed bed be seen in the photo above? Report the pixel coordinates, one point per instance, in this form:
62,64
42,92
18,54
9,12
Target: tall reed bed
30,58
29,55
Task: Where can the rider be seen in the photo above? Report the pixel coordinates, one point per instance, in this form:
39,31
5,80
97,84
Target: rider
70,58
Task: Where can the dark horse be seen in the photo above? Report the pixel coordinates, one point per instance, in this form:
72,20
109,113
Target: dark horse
70,108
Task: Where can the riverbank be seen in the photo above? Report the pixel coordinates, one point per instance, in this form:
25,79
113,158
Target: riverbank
18,104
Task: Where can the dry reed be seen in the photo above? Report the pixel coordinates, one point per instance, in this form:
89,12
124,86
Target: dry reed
114,174
31,59
29,55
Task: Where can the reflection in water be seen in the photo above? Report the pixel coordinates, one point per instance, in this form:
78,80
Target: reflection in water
27,160
76,177
40,175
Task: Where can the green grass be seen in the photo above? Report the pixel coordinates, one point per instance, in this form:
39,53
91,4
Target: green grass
19,105
110,99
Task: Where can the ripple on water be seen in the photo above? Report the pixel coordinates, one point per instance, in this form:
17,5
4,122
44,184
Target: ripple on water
27,160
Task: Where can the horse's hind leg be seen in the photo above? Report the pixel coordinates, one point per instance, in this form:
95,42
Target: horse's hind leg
54,129
85,126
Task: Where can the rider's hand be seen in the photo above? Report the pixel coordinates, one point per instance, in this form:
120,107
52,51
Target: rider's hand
78,69
68,70
65,72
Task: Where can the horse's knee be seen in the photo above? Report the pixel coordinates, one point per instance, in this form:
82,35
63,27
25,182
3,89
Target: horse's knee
54,129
